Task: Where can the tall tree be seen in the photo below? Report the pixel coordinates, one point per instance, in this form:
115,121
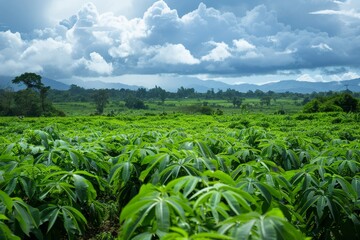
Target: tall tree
43,93
6,100
100,98
31,80
237,101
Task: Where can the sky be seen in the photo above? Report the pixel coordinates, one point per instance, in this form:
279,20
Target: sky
232,41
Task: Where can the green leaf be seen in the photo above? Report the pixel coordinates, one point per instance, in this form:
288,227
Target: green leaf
223,177
74,220
76,214
74,158
309,203
264,192
155,160
126,171
6,234
209,236
234,202
205,151
179,205
23,216
162,214
53,216
132,222
132,207
84,189
143,236
244,231
6,200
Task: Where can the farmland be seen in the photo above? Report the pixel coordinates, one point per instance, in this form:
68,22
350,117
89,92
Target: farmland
180,176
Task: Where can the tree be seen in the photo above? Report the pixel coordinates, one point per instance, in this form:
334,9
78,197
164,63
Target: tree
185,92
6,100
347,102
343,102
100,98
43,93
27,103
35,94
141,93
237,102
134,103
265,100
31,80
158,92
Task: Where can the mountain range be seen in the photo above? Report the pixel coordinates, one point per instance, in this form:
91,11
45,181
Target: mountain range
173,83
5,82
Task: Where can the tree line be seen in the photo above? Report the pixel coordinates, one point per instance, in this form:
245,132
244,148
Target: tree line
36,99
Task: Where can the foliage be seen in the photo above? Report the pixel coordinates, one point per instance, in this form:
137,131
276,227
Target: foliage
101,99
341,102
206,110
31,80
185,177
134,103
31,101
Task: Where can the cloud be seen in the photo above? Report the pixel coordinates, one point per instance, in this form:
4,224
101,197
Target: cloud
215,37
174,54
242,45
350,75
261,22
350,13
10,42
308,78
98,64
345,76
322,47
219,53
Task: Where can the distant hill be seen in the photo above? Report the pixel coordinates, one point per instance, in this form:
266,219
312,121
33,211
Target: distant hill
308,87
5,82
98,84
173,83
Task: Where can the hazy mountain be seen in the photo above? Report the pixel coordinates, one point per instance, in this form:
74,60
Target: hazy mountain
98,84
308,87
5,82
170,83
173,83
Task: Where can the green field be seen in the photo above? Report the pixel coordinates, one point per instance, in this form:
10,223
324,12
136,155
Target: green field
178,176
179,106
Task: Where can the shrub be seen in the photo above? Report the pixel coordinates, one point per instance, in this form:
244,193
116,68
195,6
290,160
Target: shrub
338,103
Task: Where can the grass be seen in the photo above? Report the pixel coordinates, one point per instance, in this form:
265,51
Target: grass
250,105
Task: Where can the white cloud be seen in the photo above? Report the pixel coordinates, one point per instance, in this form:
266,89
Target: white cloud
219,53
242,45
174,54
98,64
350,75
350,13
311,78
251,55
322,47
345,76
246,38
10,40
306,78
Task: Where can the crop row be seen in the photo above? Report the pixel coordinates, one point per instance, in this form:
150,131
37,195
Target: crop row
247,183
